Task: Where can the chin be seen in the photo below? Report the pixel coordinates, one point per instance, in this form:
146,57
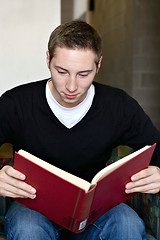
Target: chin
70,104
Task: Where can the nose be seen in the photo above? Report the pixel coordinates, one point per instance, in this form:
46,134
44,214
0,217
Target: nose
71,84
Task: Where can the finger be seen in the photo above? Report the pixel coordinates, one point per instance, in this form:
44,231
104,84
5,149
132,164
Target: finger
15,179
138,183
142,190
145,181
21,186
151,170
153,178
10,171
19,194
153,191
18,191
9,190
148,188
142,174
14,186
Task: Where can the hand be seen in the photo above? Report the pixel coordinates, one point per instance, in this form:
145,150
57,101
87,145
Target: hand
12,184
145,181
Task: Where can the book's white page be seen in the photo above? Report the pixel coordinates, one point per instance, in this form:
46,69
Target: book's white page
59,172
105,171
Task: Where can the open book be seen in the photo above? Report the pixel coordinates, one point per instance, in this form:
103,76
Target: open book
71,201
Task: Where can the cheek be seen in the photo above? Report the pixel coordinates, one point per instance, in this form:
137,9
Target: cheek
57,80
85,83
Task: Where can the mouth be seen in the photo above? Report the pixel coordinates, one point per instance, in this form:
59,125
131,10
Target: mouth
70,96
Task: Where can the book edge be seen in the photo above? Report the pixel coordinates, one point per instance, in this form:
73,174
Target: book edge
108,169
79,182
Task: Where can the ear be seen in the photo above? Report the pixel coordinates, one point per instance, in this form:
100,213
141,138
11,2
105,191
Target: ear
99,64
48,59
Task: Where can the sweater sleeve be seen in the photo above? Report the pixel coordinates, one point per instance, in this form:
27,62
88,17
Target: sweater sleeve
7,118
140,130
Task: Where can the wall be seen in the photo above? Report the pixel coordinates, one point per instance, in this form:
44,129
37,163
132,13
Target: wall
67,12
73,9
25,27
131,39
146,57
80,8
114,21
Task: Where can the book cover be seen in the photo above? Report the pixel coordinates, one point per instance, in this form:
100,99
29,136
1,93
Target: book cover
62,199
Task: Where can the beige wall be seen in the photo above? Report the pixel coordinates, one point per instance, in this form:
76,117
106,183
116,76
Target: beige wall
146,57
25,26
73,9
131,39
114,21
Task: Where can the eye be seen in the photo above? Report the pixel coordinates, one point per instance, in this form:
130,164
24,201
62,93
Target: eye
83,74
61,72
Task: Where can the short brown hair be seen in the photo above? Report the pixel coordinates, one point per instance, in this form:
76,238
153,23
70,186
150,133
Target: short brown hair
75,34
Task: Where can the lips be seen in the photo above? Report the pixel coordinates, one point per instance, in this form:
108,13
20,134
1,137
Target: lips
70,96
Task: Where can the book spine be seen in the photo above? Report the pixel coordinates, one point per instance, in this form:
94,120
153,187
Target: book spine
80,218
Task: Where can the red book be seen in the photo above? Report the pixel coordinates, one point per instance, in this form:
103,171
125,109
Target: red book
71,201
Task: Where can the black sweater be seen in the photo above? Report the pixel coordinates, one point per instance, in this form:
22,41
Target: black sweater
114,119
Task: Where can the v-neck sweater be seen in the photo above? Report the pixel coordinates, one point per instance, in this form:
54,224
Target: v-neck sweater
114,118
72,115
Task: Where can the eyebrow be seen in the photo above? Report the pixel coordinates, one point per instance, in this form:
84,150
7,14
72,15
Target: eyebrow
83,71
61,68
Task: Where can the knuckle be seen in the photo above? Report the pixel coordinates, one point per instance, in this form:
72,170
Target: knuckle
145,188
8,170
2,177
1,192
5,170
16,191
156,190
155,169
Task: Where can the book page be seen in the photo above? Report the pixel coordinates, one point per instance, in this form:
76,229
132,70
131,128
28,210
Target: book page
105,171
59,172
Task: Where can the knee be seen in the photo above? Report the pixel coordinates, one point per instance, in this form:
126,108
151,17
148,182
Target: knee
19,216
121,222
20,220
127,217
24,223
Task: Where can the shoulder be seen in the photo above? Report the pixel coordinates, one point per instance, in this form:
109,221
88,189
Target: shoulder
27,88
115,101
25,91
23,96
106,89
112,95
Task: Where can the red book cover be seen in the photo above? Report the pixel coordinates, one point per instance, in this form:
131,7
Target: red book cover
110,190
57,199
72,206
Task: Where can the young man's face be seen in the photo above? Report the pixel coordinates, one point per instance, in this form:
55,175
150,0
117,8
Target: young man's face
72,72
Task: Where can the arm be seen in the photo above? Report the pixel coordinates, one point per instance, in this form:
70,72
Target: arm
12,184
141,132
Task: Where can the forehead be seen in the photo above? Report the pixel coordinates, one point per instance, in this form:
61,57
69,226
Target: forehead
63,54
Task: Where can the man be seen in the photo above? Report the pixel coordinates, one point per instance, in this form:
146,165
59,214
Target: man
73,122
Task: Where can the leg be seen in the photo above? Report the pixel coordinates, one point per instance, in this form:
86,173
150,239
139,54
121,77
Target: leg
23,223
120,223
